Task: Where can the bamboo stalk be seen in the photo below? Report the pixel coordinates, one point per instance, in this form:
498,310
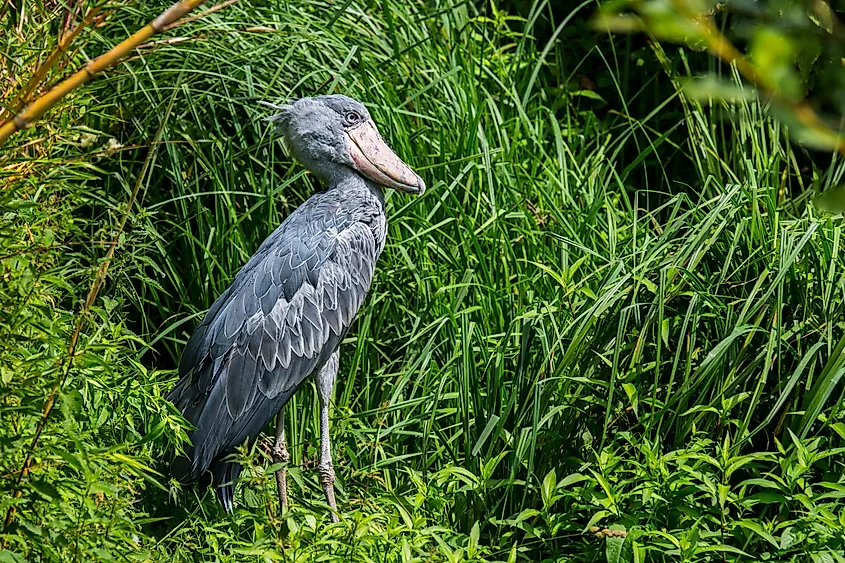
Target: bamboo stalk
42,71
94,67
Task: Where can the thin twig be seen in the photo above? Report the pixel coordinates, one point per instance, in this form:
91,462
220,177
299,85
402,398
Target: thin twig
168,41
201,15
99,278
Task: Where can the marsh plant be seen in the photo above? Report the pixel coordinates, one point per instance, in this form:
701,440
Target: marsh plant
611,329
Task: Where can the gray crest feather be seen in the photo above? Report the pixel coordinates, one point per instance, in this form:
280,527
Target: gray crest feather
281,118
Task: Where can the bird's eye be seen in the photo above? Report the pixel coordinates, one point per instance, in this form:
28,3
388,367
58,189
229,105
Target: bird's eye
352,117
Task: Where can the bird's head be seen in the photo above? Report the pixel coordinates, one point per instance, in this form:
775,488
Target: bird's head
332,134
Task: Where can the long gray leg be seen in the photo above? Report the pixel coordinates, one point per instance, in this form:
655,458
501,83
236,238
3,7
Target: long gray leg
325,384
281,455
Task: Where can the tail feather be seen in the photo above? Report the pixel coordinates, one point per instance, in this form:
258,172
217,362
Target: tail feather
225,475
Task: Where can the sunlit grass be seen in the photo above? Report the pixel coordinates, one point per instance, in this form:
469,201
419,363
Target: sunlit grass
549,344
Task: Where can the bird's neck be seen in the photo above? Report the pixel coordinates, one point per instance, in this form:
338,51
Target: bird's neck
334,175
344,178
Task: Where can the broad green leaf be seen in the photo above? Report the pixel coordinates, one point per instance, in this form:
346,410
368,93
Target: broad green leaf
758,529
831,200
548,488
712,88
613,549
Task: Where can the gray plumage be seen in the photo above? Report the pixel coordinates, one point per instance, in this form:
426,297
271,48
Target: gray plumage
289,307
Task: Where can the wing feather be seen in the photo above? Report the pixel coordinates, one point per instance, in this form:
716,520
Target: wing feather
269,344
233,316
241,383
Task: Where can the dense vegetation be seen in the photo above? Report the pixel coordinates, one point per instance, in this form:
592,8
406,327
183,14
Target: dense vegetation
600,335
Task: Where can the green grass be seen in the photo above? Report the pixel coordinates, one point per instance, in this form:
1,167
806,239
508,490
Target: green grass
585,322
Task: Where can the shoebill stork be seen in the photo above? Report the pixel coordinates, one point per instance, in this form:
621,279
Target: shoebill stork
285,313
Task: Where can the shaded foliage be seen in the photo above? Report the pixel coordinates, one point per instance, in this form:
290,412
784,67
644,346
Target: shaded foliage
594,338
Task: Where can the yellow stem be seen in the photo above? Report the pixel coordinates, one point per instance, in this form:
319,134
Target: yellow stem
41,73
90,70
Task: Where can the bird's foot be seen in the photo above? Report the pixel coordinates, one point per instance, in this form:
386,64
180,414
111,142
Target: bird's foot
280,452
326,471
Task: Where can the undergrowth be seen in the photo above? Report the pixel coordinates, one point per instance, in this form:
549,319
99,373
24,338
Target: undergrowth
589,340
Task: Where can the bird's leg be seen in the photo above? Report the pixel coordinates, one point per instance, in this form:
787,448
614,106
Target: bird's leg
325,383
326,468
281,455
